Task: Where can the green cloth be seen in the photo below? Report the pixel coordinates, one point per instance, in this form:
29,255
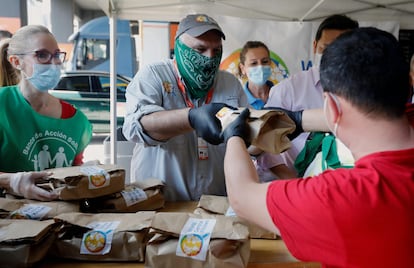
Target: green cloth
30,141
197,70
319,142
329,153
312,146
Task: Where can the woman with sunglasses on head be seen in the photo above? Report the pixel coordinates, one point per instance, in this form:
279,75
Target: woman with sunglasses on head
34,125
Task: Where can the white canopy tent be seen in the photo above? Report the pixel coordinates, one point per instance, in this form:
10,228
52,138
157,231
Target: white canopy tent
275,10
280,10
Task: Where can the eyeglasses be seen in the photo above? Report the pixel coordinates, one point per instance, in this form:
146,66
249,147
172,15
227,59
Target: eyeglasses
44,56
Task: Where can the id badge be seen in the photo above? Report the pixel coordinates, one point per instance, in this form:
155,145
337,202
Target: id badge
202,149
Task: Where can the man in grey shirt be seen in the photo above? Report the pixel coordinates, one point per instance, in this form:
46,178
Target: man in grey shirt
171,107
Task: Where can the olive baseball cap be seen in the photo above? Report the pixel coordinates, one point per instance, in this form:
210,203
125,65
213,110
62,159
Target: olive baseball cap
197,24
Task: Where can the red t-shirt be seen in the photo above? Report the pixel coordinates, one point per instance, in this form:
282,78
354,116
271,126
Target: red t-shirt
67,109
67,112
360,217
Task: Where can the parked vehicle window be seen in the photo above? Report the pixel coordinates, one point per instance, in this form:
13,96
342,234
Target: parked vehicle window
105,84
94,52
89,92
78,83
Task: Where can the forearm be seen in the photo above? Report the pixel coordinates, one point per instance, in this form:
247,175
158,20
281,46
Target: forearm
239,172
163,125
238,165
246,195
314,120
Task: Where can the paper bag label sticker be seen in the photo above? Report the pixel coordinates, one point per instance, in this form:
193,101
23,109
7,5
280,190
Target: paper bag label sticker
99,240
30,212
230,212
195,238
224,112
98,177
134,196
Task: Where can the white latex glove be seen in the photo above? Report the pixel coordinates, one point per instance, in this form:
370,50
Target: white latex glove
23,184
91,163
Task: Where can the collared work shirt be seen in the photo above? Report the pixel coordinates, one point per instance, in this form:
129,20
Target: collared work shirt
175,161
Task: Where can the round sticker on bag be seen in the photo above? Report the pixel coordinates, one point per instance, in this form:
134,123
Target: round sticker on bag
95,241
191,244
98,180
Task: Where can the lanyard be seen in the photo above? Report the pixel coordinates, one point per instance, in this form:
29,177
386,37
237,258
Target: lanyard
183,91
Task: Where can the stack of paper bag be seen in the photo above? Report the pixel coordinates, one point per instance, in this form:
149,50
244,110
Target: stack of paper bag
25,242
229,244
219,205
79,182
34,210
138,196
103,237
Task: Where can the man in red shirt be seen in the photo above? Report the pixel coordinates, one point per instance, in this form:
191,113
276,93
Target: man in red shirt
358,217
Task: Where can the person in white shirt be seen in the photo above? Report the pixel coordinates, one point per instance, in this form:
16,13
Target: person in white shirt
303,90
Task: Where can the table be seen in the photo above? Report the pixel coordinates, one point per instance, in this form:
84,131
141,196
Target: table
265,253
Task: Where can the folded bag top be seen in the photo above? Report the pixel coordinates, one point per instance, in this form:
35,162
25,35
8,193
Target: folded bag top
268,128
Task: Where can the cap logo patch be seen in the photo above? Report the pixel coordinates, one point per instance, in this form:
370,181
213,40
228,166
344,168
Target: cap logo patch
201,19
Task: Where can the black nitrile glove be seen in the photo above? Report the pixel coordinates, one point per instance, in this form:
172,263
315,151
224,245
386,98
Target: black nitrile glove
238,127
203,119
295,116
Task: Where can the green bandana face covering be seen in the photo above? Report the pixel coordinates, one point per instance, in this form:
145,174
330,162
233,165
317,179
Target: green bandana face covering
197,71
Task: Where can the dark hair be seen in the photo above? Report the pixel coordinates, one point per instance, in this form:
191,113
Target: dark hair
336,22
366,66
5,34
248,45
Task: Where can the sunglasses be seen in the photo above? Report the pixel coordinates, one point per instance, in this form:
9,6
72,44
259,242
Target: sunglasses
44,56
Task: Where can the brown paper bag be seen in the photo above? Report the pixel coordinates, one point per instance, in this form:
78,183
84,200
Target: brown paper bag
138,196
219,205
268,128
34,210
78,182
229,245
126,243
25,242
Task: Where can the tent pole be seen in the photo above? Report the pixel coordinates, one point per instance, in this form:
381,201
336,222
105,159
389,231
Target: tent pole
311,10
113,76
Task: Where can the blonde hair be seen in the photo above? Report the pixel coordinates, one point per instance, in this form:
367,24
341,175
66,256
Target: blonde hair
17,44
8,74
23,36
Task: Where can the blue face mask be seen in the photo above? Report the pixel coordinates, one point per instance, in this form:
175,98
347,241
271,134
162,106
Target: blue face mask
45,76
258,75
